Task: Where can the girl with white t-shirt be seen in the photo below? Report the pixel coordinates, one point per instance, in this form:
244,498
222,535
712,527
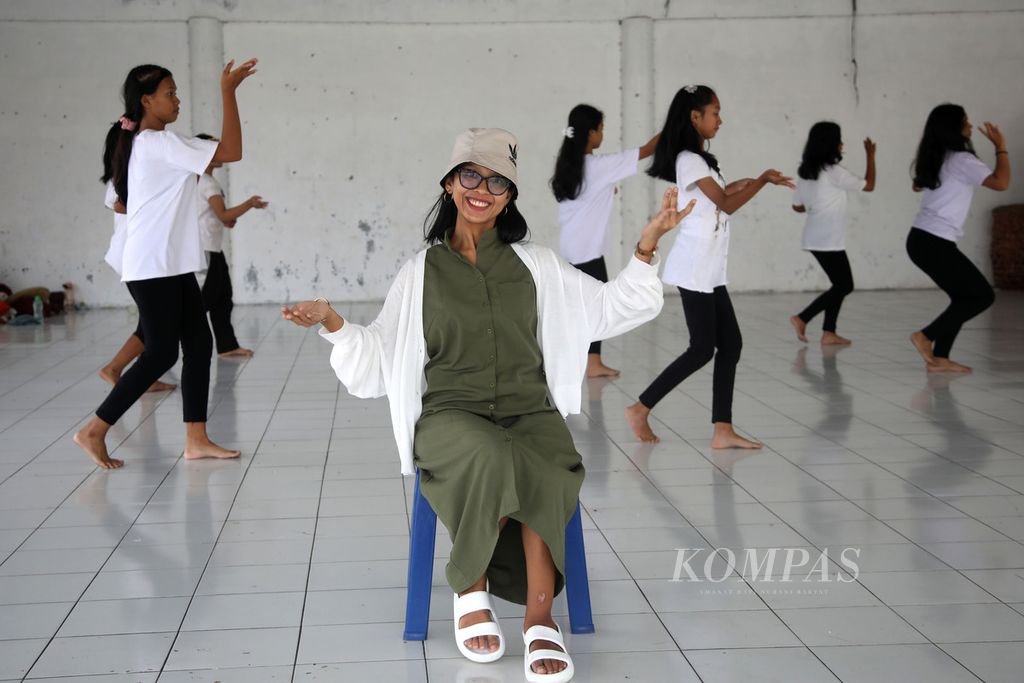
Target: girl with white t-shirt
821,193
155,173
697,263
584,185
214,216
947,171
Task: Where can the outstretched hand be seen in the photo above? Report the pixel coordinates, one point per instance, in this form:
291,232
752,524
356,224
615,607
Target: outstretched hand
306,313
869,146
257,202
776,178
231,77
669,216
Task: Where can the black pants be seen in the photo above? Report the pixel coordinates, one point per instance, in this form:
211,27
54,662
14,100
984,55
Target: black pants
171,313
969,292
217,294
138,328
597,270
714,333
837,268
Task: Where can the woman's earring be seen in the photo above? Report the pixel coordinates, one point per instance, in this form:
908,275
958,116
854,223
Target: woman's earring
707,145
505,212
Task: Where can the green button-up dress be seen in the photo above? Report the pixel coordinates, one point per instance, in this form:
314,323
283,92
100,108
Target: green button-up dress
488,442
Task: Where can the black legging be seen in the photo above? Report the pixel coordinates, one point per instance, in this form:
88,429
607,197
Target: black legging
595,269
837,268
138,328
955,274
217,294
171,313
714,333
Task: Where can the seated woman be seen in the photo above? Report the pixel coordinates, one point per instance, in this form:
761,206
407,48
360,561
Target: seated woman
481,348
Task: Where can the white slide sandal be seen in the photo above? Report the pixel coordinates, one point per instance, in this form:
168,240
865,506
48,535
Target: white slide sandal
473,602
539,632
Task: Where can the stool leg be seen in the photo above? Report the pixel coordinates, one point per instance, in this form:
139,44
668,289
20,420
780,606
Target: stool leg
421,566
577,587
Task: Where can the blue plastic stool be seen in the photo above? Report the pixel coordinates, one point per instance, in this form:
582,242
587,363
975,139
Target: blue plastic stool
421,570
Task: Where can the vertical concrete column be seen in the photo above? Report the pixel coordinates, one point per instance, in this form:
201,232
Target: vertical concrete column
206,60
638,123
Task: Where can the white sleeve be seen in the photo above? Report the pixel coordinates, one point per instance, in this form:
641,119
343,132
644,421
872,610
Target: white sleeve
690,168
969,168
362,352
629,300
209,187
611,168
187,154
843,179
110,196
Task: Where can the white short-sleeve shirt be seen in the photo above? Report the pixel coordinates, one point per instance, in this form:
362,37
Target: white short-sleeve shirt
115,252
584,220
944,209
700,254
825,201
163,205
210,228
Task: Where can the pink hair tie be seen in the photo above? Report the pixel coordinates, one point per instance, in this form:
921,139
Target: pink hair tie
127,123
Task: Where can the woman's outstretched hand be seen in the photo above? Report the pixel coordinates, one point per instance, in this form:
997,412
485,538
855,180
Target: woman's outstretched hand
669,217
232,77
309,313
777,178
992,132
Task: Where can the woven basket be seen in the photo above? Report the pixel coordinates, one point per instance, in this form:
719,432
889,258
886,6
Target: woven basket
1008,246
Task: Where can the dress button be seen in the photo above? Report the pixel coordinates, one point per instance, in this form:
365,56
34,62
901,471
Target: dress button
490,407
491,385
490,331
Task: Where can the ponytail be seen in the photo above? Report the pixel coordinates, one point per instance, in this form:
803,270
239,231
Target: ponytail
117,150
567,181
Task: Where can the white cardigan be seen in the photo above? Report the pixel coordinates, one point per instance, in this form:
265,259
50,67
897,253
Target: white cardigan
388,356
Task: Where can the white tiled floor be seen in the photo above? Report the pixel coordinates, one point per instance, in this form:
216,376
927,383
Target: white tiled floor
289,565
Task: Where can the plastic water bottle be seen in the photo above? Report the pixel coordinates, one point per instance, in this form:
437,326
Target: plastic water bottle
37,308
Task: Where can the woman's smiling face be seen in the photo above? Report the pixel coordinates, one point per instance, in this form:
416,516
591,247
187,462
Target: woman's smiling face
478,205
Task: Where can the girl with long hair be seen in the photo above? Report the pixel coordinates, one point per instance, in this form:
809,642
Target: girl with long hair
584,185
946,171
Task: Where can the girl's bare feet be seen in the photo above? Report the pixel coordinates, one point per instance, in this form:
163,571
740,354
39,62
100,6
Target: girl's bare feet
199,446
237,353
595,368
110,375
726,437
480,644
924,346
545,666
946,365
800,326
637,415
92,439
831,338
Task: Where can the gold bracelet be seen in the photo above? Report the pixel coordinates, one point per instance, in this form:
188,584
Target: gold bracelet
644,252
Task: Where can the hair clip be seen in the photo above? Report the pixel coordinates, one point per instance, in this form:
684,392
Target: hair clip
690,88
569,132
127,123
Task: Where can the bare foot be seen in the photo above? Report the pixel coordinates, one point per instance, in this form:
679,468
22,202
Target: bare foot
198,449
636,415
726,437
946,365
480,644
831,338
545,666
161,386
95,445
237,353
595,368
924,346
109,375
800,326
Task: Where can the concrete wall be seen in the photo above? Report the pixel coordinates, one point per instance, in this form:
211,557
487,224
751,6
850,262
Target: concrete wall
351,118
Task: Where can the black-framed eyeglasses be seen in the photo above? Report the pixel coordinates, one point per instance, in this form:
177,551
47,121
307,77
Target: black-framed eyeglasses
496,184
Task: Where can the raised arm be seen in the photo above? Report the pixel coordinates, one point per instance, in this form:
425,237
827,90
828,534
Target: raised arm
869,175
648,149
230,147
730,203
1000,178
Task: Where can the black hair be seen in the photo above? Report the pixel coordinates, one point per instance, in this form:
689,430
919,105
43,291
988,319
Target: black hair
440,220
142,80
679,135
943,133
821,150
567,181
204,136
